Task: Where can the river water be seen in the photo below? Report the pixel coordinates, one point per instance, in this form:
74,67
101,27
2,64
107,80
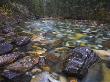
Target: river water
73,33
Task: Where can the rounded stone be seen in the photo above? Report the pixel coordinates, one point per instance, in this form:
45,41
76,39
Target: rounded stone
2,39
7,29
21,40
5,48
79,61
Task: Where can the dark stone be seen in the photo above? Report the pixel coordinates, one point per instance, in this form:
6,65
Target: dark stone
90,39
5,48
24,64
9,58
10,74
7,29
79,61
21,40
37,17
5,79
108,64
2,39
22,78
42,61
10,34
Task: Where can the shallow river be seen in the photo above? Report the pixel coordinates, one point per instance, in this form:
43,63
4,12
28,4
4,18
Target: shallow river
72,34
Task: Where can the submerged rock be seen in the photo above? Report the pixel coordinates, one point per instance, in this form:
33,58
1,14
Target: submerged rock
42,61
7,29
108,64
79,61
78,36
36,70
106,43
2,39
22,78
95,74
9,58
21,40
5,48
45,77
23,64
10,74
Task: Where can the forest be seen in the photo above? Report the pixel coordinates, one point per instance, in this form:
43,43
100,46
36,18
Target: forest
72,9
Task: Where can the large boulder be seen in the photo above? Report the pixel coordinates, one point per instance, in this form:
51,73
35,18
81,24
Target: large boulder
79,61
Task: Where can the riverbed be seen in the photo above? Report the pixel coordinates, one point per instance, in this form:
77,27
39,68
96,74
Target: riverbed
71,34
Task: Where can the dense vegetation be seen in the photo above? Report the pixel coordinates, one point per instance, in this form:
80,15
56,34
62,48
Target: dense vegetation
78,9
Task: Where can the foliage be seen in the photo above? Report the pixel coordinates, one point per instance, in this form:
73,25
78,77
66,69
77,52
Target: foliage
6,10
78,9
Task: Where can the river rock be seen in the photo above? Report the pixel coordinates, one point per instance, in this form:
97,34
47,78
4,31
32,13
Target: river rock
23,64
2,39
7,29
9,58
5,48
79,61
21,40
10,74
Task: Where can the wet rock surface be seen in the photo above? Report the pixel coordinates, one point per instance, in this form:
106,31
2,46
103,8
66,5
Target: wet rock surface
5,48
79,61
46,77
7,29
10,74
9,58
10,53
23,64
21,40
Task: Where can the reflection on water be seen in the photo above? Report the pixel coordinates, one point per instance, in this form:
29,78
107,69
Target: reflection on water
75,32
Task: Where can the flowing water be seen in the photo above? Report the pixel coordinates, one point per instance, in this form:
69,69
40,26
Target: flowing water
46,42
75,33
70,34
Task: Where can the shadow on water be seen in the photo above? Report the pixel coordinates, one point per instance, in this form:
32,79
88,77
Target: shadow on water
95,74
22,78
